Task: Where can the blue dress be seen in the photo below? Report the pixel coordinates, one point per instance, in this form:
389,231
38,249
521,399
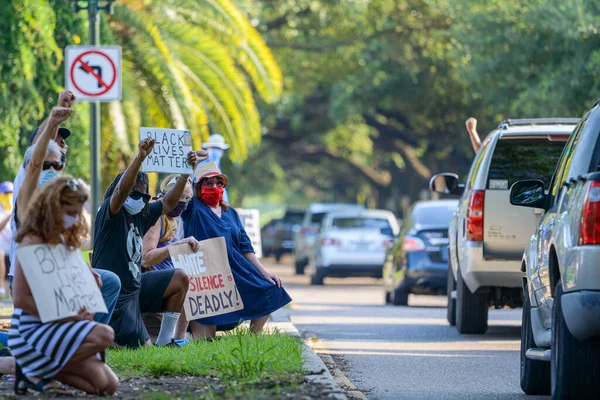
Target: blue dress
260,297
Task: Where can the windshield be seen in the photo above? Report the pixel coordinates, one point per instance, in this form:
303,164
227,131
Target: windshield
360,223
434,216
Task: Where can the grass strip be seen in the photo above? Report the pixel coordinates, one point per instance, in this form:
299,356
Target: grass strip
238,356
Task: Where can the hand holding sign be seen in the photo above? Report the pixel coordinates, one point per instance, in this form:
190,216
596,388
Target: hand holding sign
212,290
61,282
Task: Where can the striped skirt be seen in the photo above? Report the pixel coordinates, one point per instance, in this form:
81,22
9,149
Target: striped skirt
42,350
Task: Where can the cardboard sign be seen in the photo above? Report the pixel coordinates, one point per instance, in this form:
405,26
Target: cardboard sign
170,151
212,289
60,281
251,222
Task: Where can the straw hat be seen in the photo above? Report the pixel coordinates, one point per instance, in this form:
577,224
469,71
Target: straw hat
217,141
208,170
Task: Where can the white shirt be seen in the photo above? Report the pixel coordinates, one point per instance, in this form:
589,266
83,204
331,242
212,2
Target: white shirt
6,233
18,182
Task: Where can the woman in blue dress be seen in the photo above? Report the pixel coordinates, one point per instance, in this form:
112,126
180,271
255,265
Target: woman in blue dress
208,216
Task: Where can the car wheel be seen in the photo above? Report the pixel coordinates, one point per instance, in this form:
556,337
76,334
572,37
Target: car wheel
278,255
300,265
317,277
471,309
574,367
388,297
400,297
535,375
451,308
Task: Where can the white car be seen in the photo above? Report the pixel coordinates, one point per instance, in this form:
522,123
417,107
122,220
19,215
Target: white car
560,334
488,235
353,243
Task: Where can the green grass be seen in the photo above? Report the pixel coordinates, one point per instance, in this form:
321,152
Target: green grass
240,357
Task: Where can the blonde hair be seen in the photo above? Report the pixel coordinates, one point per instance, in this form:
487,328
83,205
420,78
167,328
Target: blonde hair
169,225
43,217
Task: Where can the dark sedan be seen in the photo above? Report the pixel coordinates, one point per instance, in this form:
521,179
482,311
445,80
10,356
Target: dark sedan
418,261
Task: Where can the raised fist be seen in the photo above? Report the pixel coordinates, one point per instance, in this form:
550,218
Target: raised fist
471,124
196,157
60,114
66,99
145,148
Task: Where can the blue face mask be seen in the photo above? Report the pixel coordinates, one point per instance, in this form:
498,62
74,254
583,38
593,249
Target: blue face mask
47,175
215,155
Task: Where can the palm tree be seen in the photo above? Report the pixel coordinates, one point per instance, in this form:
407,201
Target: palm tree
190,64
194,64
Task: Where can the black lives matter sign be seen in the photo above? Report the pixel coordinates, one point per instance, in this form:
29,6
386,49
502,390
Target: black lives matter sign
60,281
170,150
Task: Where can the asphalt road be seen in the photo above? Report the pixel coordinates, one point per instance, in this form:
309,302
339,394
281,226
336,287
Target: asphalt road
405,352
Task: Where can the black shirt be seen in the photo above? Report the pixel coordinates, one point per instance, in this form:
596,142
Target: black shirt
118,243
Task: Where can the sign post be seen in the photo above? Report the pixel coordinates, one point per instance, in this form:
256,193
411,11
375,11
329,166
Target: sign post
94,7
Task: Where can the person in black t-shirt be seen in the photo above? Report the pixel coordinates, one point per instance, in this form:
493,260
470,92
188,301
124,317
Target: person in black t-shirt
121,223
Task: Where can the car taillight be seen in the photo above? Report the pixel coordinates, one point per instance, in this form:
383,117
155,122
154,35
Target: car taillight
412,244
475,216
329,242
589,226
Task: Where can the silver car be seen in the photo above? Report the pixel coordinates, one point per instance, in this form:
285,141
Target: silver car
487,235
560,336
353,243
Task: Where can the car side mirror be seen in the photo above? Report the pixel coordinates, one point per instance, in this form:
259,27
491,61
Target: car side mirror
528,193
446,183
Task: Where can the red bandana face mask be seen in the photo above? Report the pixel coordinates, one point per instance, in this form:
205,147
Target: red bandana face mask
211,196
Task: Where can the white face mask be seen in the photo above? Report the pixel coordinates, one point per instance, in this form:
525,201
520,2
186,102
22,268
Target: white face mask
69,220
134,207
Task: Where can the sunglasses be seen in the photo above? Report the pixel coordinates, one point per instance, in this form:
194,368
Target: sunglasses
55,165
136,195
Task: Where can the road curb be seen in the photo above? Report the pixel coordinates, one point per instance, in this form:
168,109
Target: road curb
315,370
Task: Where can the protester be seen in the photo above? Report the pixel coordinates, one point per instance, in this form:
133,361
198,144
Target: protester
121,223
216,147
42,163
166,232
65,100
208,216
6,191
69,350
471,124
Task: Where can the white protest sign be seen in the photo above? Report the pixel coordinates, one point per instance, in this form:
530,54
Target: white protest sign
212,289
60,281
251,222
170,150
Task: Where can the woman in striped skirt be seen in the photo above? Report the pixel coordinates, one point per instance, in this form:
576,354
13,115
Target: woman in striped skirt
69,350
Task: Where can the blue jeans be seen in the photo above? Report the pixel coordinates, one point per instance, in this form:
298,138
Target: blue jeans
111,287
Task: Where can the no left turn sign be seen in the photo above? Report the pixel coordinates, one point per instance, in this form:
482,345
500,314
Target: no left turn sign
93,73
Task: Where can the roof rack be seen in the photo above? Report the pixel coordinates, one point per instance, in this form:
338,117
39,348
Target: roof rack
538,121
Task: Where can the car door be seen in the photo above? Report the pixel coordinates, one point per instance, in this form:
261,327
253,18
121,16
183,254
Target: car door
540,275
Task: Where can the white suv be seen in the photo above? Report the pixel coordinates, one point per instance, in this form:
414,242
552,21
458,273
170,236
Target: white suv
560,334
487,235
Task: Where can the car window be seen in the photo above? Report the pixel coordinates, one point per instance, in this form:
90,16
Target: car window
566,159
360,223
293,218
517,159
440,216
317,218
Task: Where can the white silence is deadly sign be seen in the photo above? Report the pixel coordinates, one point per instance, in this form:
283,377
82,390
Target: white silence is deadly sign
60,281
170,150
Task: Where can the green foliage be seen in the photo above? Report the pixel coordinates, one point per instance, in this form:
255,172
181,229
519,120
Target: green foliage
186,64
239,356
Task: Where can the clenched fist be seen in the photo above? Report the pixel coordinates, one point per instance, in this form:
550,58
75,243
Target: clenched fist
471,124
66,99
145,148
196,157
60,114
